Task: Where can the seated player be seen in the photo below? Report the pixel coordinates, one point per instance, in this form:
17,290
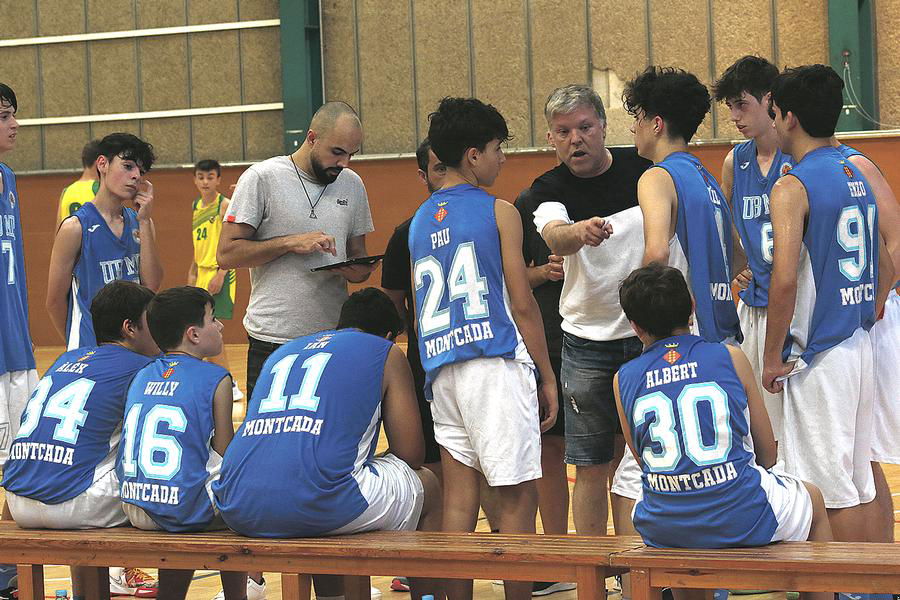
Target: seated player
693,417
309,438
177,426
61,471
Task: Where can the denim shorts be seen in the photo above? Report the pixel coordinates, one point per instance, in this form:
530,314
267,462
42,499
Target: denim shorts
592,420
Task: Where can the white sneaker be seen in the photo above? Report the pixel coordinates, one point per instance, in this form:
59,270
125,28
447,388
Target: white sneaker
131,582
374,591
255,591
236,393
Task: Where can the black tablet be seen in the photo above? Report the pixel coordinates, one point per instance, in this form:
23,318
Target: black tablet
361,260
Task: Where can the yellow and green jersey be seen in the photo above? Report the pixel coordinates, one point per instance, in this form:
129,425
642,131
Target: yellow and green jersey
206,231
75,195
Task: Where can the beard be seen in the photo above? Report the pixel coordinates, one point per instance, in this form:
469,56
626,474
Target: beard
323,174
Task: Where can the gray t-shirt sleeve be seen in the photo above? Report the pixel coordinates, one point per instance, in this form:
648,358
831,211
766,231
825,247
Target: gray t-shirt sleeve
362,214
248,204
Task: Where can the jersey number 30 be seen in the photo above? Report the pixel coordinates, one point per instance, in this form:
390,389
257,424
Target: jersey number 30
662,429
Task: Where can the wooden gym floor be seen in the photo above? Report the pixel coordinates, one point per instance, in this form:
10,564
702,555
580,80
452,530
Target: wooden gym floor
206,583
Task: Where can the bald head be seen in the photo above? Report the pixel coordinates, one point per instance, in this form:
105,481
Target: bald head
332,114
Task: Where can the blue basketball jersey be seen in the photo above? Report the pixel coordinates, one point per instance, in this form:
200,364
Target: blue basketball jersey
750,201
837,274
848,151
461,305
311,430
688,417
166,459
103,258
71,426
703,250
15,343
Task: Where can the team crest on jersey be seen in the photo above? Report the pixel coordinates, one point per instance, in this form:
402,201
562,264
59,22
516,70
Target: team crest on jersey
168,372
672,355
785,168
212,218
86,356
441,213
136,235
12,199
325,338
848,172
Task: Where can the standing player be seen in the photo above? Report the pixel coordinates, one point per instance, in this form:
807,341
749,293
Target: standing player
687,222
748,174
83,189
341,384
479,330
177,426
395,279
208,213
825,278
886,346
104,240
18,376
61,471
693,416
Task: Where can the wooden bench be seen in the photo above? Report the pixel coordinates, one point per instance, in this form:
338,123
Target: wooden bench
584,560
795,566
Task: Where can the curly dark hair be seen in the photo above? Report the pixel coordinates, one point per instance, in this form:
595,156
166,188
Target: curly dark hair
673,94
462,123
751,74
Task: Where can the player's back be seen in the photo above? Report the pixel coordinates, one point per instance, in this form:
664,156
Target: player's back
460,290
166,458
311,427
15,343
70,428
837,275
702,246
752,219
104,257
689,420
207,227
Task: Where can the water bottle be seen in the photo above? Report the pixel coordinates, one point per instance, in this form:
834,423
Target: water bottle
62,595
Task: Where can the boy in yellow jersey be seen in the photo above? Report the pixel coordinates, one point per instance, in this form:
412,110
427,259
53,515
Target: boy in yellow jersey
208,211
85,187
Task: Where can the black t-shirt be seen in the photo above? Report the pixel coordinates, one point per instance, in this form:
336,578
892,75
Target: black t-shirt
611,192
395,275
535,252
584,197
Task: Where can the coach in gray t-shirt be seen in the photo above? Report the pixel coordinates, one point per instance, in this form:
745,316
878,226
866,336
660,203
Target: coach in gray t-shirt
289,214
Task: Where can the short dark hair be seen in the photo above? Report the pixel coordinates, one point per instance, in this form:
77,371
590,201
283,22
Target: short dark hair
371,310
208,164
751,74
673,94
8,96
128,147
422,155
656,298
462,123
90,153
814,93
174,310
115,303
